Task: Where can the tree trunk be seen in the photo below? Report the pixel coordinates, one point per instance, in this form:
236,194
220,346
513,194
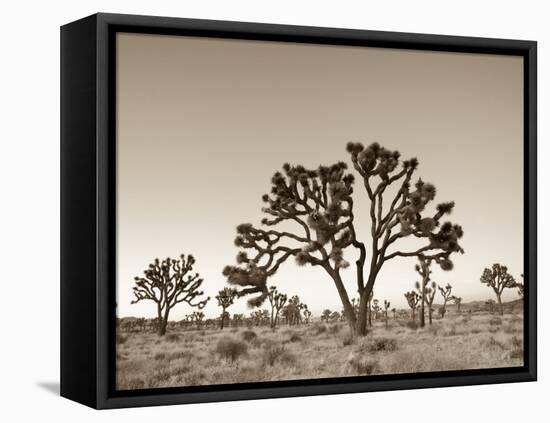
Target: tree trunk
348,308
430,314
422,311
222,319
413,315
162,326
500,306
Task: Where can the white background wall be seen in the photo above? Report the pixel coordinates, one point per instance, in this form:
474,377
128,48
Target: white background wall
29,208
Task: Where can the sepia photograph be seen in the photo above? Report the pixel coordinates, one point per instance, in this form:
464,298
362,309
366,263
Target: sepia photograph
293,211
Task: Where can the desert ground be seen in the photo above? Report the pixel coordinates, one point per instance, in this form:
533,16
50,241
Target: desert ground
198,356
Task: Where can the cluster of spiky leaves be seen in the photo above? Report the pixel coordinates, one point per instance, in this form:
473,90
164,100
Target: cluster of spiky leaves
498,278
319,202
380,168
169,282
226,297
412,299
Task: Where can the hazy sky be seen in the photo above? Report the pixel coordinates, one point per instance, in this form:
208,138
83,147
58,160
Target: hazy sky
204,123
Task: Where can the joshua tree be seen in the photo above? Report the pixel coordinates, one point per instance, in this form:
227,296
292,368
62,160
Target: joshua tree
446,294
376,308
238,319
198,317
412,299
168,283
225,298
386,306
277,301
307,315
498,278
293,311
429,293
423,269
520,286
319,203
325,315
457,301
369,309
334,316
393,310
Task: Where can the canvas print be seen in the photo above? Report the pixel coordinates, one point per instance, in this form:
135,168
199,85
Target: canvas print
291,211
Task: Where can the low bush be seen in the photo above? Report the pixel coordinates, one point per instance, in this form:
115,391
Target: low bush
372,345
494,321
249,335
172,337
231,349
277,354
295,338
411,324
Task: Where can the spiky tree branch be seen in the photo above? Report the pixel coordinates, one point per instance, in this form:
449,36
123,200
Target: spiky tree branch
446,293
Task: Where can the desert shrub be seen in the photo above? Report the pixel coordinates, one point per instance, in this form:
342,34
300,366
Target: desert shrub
412,325
358,365
295,338
347,340
249,335
494,321
121,339
492,342
511,328
231,349
180,355
160,356
517,342
333,329
516,354
318,328
277,354
172,337
196,377
372,345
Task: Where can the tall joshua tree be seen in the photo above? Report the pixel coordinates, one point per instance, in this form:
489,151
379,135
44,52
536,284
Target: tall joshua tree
319,203
412,299
168,283
277,302
499,279
446,293
226,298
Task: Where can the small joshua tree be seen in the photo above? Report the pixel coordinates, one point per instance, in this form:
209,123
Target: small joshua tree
457,301
277,302
169,283
386,306
226,298
446,294
325,315
412,299
369,309
423,269
307,315
520,286
394,311
293,311
498,278
238,319
198,318
376,308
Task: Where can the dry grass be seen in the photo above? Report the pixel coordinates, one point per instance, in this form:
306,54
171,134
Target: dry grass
184,358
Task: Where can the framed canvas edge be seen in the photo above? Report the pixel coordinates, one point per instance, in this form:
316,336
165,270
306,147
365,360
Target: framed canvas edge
104,365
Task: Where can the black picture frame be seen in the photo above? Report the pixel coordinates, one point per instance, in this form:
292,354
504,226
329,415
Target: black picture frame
88,209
